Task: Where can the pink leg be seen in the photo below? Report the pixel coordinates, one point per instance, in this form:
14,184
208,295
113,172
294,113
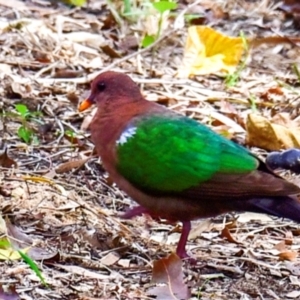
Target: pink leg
186,228
180,251
133,212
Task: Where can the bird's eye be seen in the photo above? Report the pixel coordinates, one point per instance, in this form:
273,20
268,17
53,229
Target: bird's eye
101,86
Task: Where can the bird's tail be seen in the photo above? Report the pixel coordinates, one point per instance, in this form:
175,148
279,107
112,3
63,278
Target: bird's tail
284,207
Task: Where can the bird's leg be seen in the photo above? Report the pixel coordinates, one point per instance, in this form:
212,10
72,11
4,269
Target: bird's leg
133,212
180,251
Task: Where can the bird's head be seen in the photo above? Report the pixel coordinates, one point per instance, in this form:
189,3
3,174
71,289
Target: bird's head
111,89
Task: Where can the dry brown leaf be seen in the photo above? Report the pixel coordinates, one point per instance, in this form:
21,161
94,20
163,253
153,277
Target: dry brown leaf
258,41
19,90
288,255
73,98
289,238
6,161
226,234
276,90
108,50
167,274
203,225
41,57
70,165
67,73
272,93
270,136
110,259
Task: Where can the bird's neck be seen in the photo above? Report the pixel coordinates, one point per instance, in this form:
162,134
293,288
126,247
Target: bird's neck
108,125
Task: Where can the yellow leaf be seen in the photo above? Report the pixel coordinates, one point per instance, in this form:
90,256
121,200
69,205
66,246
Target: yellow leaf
270,136
38,179
74,2
208,51
78,2
11,254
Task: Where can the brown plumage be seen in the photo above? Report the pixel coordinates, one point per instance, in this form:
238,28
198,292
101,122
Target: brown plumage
174,167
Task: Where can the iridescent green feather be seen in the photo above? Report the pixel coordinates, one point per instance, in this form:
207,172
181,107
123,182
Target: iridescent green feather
172,154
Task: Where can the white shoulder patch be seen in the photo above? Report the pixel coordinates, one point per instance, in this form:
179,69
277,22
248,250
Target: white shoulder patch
126,134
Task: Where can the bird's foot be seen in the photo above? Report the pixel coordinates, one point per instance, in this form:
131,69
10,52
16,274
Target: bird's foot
189,259
180,251
134,212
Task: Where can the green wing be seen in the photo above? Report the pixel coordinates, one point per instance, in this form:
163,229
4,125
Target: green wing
172,154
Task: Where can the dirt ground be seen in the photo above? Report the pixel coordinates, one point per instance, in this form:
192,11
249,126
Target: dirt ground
56,198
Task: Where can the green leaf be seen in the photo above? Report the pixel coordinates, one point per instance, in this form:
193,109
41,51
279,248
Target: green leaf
22,110
4,243
25,134
127,7
33,266
191,17
70,133
253,101
148,40
163,6
296,71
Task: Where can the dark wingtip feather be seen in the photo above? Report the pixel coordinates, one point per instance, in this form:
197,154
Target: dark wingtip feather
284,207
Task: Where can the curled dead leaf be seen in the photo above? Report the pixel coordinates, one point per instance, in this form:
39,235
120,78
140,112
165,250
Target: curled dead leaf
266,135
110,51
6,161
226,234
167,274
